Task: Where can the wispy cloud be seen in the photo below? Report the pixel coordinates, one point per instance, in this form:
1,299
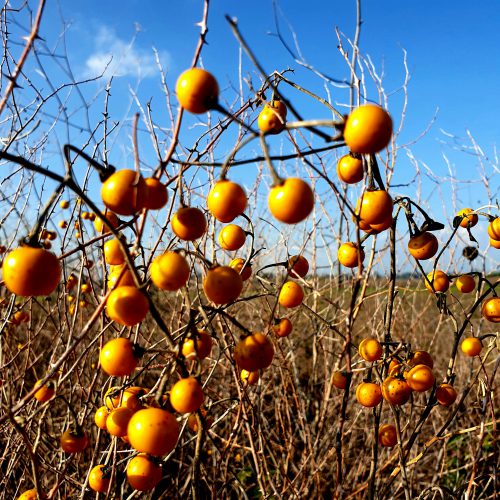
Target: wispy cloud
114,56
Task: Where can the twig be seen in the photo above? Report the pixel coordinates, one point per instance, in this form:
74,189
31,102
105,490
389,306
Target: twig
30,40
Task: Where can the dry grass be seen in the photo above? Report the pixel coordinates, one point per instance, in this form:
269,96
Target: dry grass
278,438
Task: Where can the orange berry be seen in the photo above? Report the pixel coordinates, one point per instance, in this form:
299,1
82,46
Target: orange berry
446,395
339,380
291,295
250,378
222,285
189,223
491,309
350,169
254,352
283,328
349,255
198,347
387,435
469,219
471,346
374,207
197,90
186,396
232,237
245,272
420,378
421,358
298,266
439,280
370,349
291,201
465,283
368,129
170,271
226,200
368,394
423,246
157,195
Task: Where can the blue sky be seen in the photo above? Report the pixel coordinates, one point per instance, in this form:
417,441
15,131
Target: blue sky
452,47
452,50
452,56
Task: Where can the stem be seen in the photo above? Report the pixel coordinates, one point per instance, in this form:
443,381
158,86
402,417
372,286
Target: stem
104,171
235,118
29,44
33,237
277,180
32,454
195,484
229,160
373,463
268,80
255,159
134,143
392,287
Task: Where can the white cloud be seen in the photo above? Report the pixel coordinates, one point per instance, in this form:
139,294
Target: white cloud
116,57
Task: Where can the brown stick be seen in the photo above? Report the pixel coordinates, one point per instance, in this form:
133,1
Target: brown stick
29,44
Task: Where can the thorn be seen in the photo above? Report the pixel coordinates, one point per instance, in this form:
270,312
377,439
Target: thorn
13,80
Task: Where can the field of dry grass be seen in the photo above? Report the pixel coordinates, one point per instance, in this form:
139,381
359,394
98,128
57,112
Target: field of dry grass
279,438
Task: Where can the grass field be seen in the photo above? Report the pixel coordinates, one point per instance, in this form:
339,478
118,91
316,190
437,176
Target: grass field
279,438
